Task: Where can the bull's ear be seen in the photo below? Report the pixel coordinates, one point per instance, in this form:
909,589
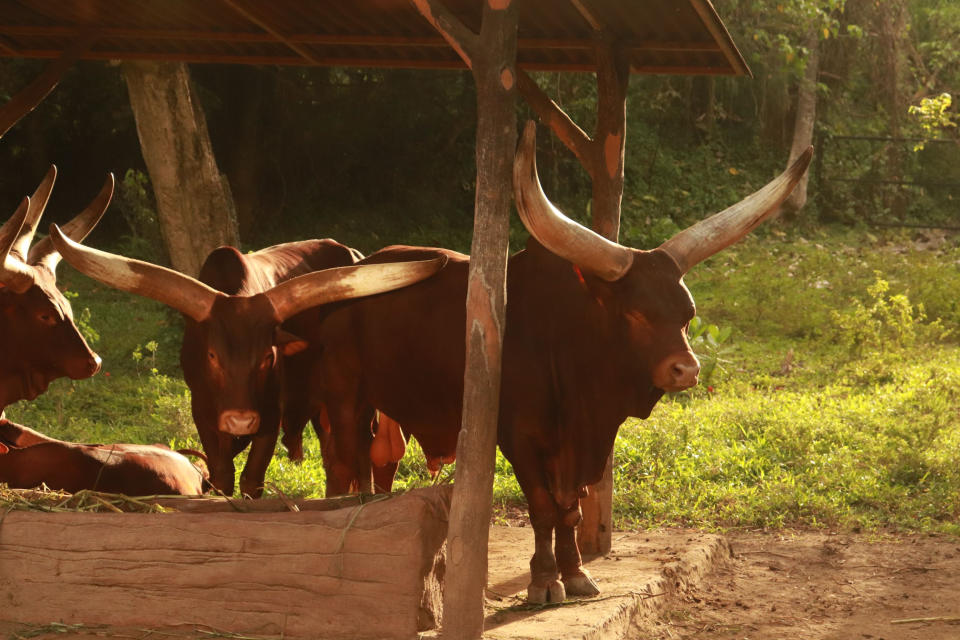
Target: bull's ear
4,449
289,343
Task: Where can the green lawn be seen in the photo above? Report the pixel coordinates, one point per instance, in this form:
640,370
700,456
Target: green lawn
831,393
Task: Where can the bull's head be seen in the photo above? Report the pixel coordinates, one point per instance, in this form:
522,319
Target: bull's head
38,338
646,286
235,342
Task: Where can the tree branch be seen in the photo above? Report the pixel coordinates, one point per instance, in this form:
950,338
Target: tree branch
575,138
463,40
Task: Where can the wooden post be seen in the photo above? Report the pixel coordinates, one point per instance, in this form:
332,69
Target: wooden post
193,201
603,158
492,58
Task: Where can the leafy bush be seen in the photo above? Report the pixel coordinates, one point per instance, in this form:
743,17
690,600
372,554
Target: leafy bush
890,322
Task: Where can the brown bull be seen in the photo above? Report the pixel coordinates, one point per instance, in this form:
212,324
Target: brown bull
236,343
595,332
29,459
38,339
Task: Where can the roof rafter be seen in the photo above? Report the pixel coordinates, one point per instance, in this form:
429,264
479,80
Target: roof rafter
267,25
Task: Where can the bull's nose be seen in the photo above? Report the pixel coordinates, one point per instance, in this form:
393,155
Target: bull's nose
686,374
239,423
78,369
677,372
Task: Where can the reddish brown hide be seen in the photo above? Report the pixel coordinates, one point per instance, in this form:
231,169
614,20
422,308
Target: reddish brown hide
243,369
238,341
38,338
595,332
29,459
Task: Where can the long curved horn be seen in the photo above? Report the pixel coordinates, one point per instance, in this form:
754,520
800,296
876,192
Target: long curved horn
10,230
558,233
183,293
38,202
77,229
719,231
341,283
14,273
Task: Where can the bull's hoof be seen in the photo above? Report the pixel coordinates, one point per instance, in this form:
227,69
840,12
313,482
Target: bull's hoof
543,593
581,585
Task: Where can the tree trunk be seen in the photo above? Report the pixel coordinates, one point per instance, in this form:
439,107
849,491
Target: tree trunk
804,124
892,17
194,205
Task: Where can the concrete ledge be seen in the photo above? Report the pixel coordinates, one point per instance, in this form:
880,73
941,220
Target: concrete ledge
639,578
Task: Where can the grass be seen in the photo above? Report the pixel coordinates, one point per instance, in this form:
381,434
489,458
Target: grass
835,401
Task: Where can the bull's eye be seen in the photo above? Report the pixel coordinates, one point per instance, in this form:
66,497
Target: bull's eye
212,355
47,319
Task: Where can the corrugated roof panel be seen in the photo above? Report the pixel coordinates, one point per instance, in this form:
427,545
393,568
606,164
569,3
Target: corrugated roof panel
672,35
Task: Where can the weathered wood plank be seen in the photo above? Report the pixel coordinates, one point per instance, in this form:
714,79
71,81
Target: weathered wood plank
360,572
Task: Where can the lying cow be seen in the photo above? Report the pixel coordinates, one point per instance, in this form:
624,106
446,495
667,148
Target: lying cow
29,459
595,332
238,335
38,338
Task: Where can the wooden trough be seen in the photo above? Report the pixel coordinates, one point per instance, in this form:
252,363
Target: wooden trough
358,567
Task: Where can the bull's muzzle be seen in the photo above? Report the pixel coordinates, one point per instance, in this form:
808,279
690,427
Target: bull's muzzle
239,423
677,372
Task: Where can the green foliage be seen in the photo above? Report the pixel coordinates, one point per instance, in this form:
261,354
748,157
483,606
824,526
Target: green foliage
707,341
82,319
134,201
889,322
933,115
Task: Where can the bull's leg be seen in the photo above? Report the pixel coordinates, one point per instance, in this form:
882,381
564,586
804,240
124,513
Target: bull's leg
350,466
295,417
219,460
545,585
293,443
261,451
362,466
575,578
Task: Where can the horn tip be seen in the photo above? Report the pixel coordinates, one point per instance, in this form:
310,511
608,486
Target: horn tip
56,235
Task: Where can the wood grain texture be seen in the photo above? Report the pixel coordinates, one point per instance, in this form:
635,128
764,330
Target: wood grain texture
359,572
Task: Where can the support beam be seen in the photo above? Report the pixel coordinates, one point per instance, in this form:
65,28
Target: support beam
491,55
33,94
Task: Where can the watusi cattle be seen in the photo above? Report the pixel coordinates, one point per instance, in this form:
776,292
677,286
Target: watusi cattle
595,333
38,338
29,459
236,340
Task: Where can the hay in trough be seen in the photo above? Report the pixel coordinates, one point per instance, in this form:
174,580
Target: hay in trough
44,499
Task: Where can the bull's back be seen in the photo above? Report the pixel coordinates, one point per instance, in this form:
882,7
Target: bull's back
234,273
405,348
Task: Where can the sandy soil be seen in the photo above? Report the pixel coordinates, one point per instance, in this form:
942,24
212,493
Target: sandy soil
820,586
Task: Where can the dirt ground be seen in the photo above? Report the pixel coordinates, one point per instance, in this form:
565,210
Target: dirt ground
818,586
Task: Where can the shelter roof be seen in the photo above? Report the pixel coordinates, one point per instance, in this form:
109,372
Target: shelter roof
659,36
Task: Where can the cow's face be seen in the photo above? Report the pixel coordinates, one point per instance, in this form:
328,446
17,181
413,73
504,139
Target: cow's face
655,308
40,340
231,362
